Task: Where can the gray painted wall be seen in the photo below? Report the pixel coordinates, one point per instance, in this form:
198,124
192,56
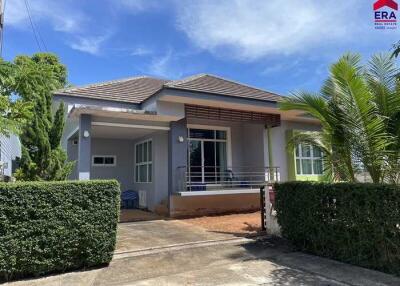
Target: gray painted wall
157,190
177,153
253,147
247,141
84,147
278,142
123,171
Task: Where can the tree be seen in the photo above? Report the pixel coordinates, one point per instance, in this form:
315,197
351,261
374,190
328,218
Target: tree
15,113
42,155
359,110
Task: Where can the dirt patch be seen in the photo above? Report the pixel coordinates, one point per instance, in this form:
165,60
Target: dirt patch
132,215
239,224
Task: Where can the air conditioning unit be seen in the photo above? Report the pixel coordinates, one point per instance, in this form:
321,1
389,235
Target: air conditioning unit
142,199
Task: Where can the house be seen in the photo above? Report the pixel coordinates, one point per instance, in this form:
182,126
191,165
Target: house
199,145
10,151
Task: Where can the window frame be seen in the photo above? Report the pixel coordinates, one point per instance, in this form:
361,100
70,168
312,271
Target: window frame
144,163
214,128
312,158
104,164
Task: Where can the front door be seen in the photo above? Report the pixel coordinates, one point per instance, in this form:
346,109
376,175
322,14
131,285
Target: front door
207,155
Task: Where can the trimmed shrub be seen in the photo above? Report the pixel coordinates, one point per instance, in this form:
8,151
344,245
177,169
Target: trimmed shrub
50,227
353,223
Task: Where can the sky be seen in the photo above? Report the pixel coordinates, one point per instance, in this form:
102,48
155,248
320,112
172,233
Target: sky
280,46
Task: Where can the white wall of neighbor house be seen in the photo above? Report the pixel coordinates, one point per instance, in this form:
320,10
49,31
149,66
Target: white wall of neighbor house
278,143
10,150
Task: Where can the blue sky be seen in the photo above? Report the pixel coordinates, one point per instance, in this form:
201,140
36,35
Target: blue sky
281,46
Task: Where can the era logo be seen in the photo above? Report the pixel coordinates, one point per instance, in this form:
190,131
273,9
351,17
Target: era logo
385,14
388,3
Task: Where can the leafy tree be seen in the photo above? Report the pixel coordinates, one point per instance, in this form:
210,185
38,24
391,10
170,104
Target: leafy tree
359,110
42,155
15,113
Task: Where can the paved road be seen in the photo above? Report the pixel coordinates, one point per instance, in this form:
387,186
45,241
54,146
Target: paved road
174,253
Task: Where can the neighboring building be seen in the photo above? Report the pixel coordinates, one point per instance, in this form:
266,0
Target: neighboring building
10,151
192,146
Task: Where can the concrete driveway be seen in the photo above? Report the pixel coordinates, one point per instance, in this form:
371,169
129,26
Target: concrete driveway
169,252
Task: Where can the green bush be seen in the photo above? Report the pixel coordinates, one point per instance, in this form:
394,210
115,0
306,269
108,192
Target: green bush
353,223
50,227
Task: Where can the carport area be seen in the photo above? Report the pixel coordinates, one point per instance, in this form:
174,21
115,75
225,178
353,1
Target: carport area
144,236
239,224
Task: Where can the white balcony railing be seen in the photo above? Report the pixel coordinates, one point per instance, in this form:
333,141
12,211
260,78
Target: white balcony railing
207,178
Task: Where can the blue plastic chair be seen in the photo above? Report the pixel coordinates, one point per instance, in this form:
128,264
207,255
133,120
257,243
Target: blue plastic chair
129,199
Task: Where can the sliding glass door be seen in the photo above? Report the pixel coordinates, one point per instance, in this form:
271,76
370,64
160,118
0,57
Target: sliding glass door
207,155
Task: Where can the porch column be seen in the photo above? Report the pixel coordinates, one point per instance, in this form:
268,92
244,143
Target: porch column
84,147
268,155
177,154
269,149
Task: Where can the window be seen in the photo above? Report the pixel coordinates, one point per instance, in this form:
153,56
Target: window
104,160
143,162
207,158
308,160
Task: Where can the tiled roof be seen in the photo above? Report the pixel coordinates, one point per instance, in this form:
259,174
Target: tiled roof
217,85
138,89
132,90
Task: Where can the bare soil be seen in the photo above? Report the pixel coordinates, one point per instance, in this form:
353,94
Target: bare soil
132,215
239,224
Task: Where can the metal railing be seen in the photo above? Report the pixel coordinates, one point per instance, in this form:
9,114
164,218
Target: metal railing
208,178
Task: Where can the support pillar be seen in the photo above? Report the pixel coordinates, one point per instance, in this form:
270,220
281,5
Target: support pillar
84,148
178,152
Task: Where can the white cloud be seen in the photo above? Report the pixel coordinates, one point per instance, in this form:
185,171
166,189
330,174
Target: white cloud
61,15
249,30
141,51
280,66
163,66
159,65
137,6
89,45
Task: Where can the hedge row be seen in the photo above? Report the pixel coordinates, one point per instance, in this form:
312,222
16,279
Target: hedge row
48,227
353,223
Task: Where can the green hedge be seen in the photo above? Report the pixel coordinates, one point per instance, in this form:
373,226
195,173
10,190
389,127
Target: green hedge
50,227
354,223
